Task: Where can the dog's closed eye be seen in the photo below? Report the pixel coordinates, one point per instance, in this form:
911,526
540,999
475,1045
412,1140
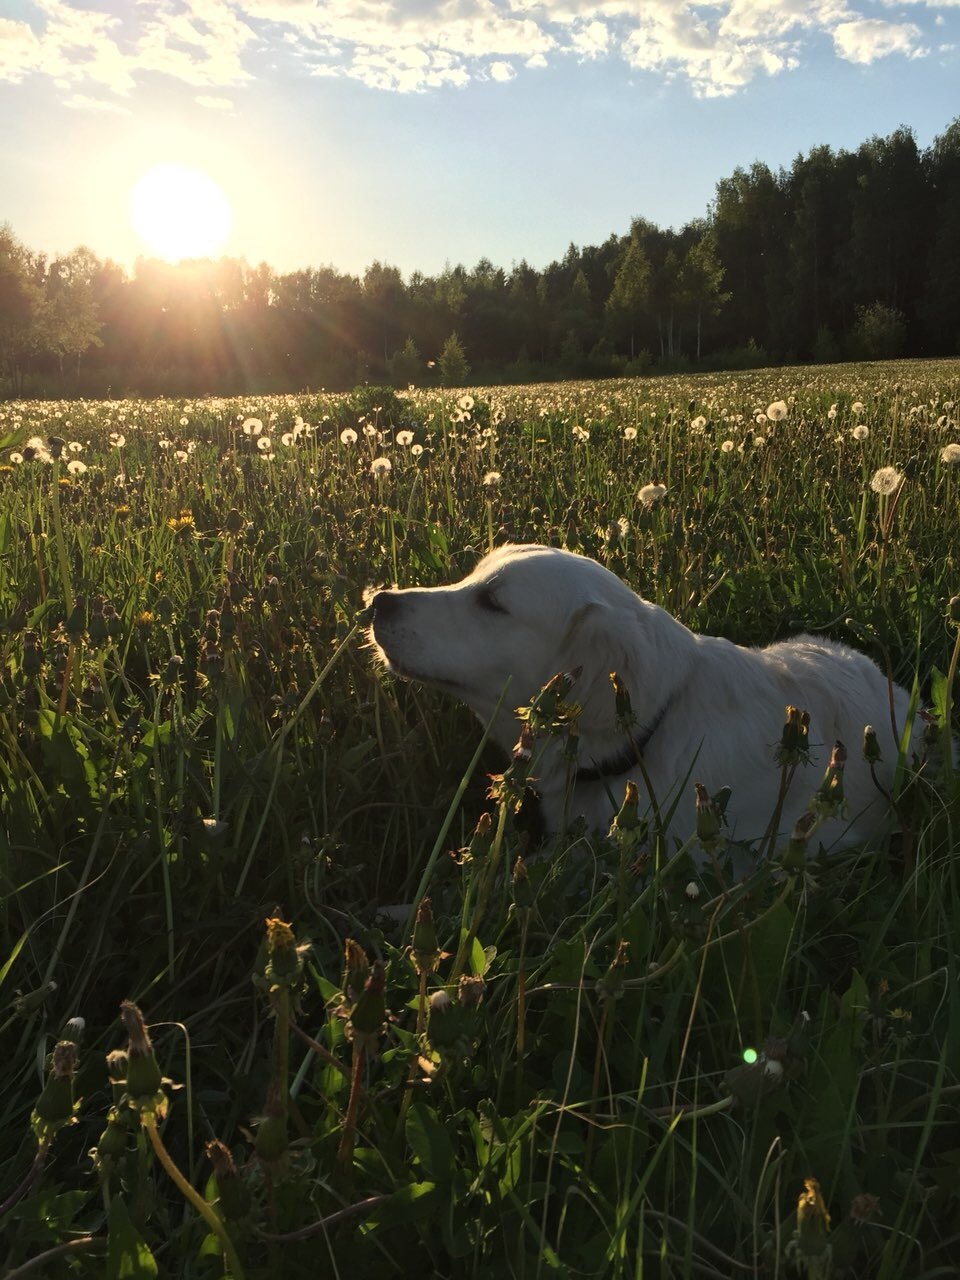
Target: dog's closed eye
488,601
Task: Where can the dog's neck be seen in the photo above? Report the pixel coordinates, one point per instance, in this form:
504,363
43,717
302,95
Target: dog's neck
616,763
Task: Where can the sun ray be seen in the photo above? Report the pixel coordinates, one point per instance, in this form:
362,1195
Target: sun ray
180,212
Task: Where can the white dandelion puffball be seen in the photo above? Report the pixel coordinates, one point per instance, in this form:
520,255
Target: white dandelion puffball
777,411
629,433
857,406
861,431
950,453
381,466
651,493
727,446
886,481
404,438
348,436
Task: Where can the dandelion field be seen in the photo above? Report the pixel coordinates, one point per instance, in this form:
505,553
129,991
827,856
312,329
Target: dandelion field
593,1062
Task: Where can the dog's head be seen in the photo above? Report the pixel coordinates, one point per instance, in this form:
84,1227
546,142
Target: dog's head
525,613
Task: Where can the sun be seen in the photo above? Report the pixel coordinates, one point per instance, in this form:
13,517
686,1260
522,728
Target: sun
179,212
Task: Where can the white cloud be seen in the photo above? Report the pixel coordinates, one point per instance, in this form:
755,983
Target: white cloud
83,102
866,39
717,46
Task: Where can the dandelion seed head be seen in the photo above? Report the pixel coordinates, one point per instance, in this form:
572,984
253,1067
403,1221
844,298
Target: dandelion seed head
861,431
950,453
727,446
381,467
348,436
404,438
651,493
886,481
777,411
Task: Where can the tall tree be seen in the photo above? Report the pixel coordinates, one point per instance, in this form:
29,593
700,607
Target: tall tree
631,287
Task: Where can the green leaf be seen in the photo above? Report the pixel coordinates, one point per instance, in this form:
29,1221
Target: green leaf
128,1256
11,958
430,1142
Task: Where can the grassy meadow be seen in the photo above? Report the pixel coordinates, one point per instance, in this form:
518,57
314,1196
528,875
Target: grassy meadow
599,1062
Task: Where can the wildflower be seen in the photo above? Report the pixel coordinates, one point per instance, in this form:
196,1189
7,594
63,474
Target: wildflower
581,434
886,481
184,421
651,494
727,446
698,425
287,439
466,403
629,433
16,458
861,431
777,411
692,891
76,467
404,438
252,427
832,412
265,444
369,430
491,479
950,453
416,450
856,407
181,455
348,436
75,447
380,467
117,439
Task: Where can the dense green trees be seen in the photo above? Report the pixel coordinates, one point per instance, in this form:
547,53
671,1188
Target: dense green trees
846,254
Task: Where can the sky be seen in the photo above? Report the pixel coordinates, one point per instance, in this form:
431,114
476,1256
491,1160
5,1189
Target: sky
427,132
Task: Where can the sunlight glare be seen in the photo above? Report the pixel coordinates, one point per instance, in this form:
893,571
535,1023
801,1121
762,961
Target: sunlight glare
179,212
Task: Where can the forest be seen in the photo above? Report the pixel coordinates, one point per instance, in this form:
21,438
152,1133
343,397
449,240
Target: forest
845,255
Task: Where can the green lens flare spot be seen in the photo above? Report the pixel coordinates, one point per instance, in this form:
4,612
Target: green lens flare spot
749,1056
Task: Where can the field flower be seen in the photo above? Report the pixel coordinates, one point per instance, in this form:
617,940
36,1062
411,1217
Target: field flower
950,453
857,406
252,426
181,455
777,411
16,458
491,479
698,425
466,402
381,467
117,439
404,438
264,444
651,494
581,434
76,467
832,412
886,481
369,430
416,450
348,436
629,433
727,446
861,431
288,439
75,446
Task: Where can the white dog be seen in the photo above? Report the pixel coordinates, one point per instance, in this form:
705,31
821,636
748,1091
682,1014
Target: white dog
707,710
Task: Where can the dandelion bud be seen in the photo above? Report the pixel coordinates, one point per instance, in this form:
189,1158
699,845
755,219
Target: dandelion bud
111,1146
813,1221
692,891
76,623
32,654
55,1107
794,740
709,817
425,950
610,986
117,1073
471,990
624,708
795,857
871,747
627,818
571,743
143,1071
284,960
523,751
520,884
171,672
234,522
73,1031
828,799
356,971
56,445
234,1199
369,1013
29,1001
548,706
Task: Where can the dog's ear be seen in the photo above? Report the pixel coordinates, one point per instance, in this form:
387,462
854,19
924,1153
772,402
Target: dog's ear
601,638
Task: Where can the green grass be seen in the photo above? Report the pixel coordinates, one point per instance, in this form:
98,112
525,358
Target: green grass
194,739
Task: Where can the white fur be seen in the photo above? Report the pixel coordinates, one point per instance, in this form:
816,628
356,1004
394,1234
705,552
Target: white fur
722,705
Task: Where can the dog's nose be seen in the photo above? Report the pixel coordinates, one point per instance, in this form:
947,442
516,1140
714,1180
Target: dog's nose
384,604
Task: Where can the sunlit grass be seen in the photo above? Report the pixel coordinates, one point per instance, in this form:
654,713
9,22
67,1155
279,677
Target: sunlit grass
193,738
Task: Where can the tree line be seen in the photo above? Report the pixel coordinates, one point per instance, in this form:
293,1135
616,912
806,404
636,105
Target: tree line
846,254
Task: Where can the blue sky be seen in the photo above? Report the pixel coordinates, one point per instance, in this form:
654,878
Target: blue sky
419,132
